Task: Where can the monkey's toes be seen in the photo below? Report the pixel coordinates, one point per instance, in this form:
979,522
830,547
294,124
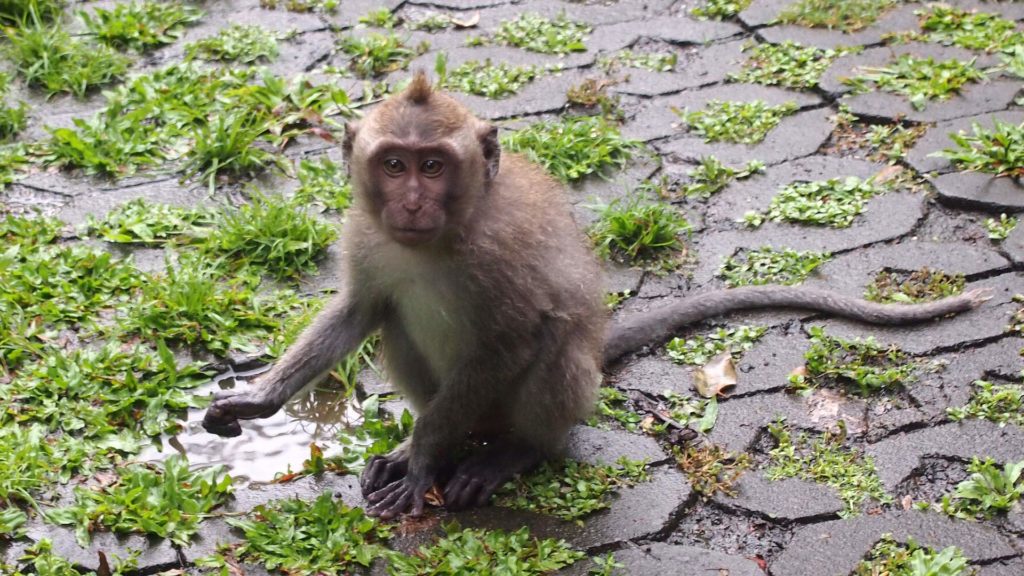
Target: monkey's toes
381,471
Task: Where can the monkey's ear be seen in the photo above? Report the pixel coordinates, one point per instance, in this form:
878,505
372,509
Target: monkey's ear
492,150
351,128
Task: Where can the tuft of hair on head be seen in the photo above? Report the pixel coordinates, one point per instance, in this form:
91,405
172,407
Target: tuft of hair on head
419,89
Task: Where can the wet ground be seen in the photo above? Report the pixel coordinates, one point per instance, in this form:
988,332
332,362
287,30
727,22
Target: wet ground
781,527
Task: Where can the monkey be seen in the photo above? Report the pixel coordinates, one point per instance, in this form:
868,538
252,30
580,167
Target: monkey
487,298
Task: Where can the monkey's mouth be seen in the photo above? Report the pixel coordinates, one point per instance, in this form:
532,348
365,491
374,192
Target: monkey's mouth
413,236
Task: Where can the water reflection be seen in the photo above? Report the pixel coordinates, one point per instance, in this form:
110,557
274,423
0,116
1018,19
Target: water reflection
267,446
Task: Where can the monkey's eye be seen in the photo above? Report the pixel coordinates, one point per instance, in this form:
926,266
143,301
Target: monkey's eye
393,166
432,168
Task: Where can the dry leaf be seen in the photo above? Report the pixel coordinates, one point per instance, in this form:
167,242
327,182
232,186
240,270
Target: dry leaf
714,377
469,22
890,172
907,502
434,496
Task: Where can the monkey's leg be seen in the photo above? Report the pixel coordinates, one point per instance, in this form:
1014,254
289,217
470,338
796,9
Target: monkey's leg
335,332
407,368
490,373
557,392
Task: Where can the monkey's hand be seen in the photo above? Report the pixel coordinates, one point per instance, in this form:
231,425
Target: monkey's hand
401,495
230,406
383,470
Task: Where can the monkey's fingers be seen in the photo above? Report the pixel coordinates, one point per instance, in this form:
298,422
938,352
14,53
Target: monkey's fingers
381,471
217,421
397,497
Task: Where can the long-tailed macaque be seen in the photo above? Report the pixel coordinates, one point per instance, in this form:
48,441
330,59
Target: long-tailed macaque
489,304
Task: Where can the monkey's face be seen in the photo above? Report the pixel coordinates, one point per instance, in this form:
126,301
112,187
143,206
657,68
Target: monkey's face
414,187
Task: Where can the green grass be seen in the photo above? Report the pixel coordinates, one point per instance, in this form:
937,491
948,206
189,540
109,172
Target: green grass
612,404
770,266
891,558
969,29
921,80
990,490
571,148
224,149
844,15
788,64
302,6
891,142
323,182
49,58
999,230
917,286
104,391
735,122
571,490
299,537
698,350
236,43
999,403
826,461
17,12
861,366
488,79
143,222
477,551
654,61
638,231
376,54
377,435
533,32
380,18
999,151
276,236
140,26
834,203
720,9
168,503
109,144
711,177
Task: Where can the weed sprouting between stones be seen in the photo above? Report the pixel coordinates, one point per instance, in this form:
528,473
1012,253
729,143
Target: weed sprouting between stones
918,286
826,461
487,79
921,80
711,177
848,16
891,557
862,366
376,54
536,33
711,469
168,502
787,64
238,43
698,350
990,490
999,403
640,232
999,230
325,183
720,9
835,203
302,6
770,266
655,61
570,490
140,26
735,122
572,148
380,18
999,151
967,29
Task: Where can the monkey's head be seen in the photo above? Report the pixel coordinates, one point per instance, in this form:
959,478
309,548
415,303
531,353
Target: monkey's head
419,163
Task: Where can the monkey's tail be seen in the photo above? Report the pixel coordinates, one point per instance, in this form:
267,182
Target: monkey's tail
634,331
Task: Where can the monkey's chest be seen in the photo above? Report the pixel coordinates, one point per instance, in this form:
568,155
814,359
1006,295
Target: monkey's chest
434,321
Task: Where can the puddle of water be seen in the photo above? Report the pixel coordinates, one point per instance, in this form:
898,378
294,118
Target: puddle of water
267,446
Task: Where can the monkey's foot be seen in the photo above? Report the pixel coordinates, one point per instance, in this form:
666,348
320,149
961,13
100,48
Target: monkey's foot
383,470
230,406
476,478
400,496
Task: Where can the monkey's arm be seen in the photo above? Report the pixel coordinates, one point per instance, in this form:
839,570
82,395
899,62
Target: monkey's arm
655,326
336,332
